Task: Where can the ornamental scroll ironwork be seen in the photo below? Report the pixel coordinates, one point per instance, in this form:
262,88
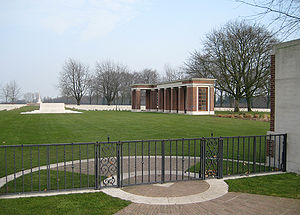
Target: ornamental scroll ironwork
108,163
211,161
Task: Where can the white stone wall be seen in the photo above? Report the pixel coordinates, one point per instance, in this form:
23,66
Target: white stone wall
11,106
103,107
287,99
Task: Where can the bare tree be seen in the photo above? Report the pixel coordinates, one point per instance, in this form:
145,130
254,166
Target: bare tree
31,97
146,76
109,78
5,92
237,56
172,74
284,13
197,67
127,79
11,92
91,88
97,88
73,79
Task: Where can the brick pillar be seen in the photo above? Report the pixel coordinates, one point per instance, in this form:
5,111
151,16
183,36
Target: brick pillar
168,100
180,100
191,99
171,99
165,100
272,94
138,100
151,100
174,105
133,99
159,103
148,100
161,100
212,99
155,94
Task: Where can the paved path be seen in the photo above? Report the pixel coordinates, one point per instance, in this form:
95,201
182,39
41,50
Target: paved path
183,192
231,203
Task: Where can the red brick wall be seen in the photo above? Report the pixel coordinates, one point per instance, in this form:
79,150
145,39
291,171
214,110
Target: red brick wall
192,99
212,99
155,99
148,99
181,99
175,99
138,100
133,99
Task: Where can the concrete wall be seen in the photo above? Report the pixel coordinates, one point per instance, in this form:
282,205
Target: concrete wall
287,99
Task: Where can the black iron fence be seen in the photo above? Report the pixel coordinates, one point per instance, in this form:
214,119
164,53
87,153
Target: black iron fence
55,167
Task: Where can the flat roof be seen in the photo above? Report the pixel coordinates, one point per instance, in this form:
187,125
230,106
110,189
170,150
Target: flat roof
174,82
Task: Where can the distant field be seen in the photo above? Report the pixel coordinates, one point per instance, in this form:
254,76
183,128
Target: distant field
98,125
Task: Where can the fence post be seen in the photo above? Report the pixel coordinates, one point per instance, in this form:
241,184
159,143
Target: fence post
254,154
202,155
163,161
118,164
220,158
96,165
284,153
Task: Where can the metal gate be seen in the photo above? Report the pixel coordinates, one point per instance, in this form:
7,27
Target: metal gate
157,161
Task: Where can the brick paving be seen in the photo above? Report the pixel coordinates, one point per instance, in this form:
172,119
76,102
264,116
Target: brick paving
231,203
183,188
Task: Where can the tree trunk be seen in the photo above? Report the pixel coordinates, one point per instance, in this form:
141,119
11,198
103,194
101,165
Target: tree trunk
78,101
230,101
236,105
97,99
249,104
221,99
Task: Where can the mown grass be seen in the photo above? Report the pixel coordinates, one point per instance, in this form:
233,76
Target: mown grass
281,185
98,125
46,181
92,203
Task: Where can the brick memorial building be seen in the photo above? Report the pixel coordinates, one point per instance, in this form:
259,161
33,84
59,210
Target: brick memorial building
193,96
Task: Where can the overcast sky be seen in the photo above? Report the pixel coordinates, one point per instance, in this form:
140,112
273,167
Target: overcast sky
37,36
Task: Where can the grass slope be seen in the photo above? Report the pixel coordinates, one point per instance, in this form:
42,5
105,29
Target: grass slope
92,203
97,125
282,185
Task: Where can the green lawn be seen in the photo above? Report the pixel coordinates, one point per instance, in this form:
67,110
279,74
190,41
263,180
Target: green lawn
94,126
282,185
59,180
92,203
97,125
